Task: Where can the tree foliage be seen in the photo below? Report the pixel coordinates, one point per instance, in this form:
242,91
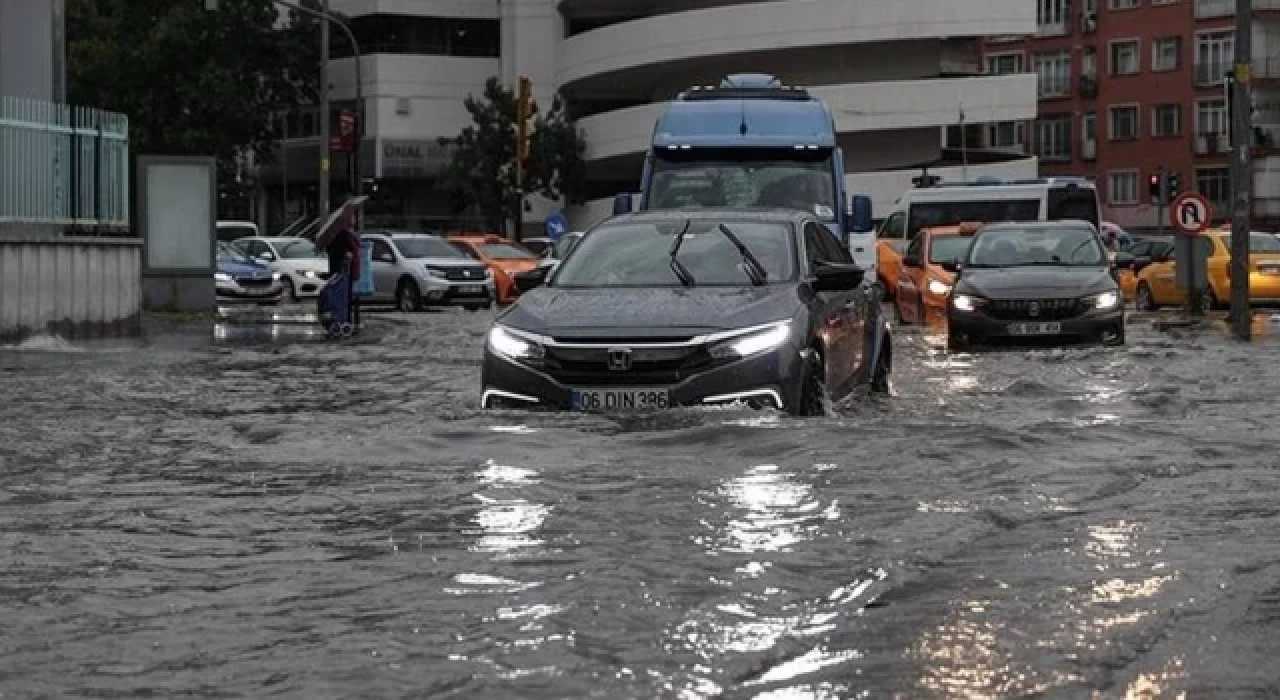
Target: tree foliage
192,81
481,175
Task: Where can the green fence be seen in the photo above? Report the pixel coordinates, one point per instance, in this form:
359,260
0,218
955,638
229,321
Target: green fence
63,166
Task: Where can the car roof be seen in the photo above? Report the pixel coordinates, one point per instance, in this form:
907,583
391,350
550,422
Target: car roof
1035,225
751,214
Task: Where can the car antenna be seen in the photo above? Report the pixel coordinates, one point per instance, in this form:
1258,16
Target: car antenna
686,277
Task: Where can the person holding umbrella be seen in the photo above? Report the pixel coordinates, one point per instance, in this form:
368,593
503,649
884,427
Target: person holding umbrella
338,239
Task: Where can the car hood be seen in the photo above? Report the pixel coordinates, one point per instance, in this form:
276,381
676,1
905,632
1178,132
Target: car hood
511,267
445,262
1043,281
657,313
243,268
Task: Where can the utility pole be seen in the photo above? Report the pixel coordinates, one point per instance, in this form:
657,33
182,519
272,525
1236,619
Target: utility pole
323,185
1162,196
1242,172
524,112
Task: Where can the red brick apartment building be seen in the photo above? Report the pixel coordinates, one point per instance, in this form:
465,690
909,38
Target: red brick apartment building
1127,86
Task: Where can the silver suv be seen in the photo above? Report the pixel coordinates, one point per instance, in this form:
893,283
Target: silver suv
414,270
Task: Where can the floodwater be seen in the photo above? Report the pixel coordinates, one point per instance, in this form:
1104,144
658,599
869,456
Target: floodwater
335,521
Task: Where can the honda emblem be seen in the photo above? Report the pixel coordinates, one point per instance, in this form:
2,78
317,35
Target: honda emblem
619,359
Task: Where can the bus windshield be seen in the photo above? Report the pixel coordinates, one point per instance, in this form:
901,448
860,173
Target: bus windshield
928,214
755,177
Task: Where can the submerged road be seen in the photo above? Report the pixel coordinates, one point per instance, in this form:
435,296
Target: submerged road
338,521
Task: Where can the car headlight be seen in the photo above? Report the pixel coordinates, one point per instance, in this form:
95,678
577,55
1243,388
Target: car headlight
939,288
964,302
221,277
765,339
437,271
1106,300
508,344
275,276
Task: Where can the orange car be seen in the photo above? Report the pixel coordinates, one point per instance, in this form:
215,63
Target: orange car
503,257
928,271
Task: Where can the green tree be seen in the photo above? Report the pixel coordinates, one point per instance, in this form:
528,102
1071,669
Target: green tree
481,174
192,81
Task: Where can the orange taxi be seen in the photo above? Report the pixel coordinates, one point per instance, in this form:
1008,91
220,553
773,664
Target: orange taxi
1157,283
1144,253
929,270
504,258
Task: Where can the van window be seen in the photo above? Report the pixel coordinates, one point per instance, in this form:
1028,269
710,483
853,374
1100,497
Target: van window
1073,203
930,214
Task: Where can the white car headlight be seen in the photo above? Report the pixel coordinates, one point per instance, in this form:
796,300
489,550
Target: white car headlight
765,339
964,302
508,344
275,276
1106,300
939,288
221,277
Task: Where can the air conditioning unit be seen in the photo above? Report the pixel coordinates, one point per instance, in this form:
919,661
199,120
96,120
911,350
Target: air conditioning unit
1088,22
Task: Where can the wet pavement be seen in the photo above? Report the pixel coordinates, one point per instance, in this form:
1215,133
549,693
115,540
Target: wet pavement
273,516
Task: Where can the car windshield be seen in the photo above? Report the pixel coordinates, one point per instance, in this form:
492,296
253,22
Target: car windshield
929,214
1013,247
714,179
229,253
425,248
565,245
639,255
946,249
505,251
297,250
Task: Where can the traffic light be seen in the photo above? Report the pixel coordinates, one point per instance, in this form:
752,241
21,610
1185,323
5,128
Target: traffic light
1175,186
1153,186
524,112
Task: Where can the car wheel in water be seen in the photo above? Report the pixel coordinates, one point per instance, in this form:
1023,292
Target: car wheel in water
1144,300
883,368
814,393
408,299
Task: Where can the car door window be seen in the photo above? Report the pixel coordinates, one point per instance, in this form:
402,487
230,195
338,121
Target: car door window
814,250
893,227
382,252
915,248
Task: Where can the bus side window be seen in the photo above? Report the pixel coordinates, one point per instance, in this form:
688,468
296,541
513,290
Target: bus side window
893,227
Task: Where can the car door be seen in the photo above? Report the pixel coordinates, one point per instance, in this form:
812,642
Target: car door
837,312
911,280
385,274
890,242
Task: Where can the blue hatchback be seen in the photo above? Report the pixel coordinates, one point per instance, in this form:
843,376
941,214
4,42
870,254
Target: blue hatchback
242,279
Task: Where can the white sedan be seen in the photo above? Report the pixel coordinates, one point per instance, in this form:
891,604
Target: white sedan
303,269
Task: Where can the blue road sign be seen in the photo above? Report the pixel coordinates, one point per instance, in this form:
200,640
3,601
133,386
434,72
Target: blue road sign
556,225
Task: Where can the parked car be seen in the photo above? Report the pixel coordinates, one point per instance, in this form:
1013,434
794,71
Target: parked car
537,245
1157,279
560,250
503,258
691,308
239,278
303,269
1036,280
414,270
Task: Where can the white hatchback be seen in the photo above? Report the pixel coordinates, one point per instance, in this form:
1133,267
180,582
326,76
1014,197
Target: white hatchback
303,269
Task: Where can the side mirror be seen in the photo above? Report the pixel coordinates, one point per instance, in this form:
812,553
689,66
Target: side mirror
1123,260
860,214
952,266
531,279
911,261
622,204
837,278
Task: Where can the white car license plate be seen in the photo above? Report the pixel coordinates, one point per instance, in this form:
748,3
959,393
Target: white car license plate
1035,328
471,289
620,399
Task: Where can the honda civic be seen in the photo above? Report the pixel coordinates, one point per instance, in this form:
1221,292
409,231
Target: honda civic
683,308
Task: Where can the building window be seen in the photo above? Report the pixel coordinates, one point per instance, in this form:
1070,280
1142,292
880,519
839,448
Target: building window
1053,16
1165,53
1006,136
1054,71
1122,4
1215,185
1125,59
1005,64
1122,186
1053,137
1089,136
427,36
1215,52
1214,8
1211,117
1089,62
1166,120
1122,123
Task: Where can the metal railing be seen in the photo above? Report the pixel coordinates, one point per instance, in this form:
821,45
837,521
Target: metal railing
1210,73
63,166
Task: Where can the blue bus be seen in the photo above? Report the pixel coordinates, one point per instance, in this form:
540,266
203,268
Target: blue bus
753,142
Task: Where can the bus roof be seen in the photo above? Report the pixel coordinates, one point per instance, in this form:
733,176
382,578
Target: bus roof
1031,182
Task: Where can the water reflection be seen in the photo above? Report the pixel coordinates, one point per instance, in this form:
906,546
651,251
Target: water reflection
779,511
506,524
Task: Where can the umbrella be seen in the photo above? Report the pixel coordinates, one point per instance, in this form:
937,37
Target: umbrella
344,217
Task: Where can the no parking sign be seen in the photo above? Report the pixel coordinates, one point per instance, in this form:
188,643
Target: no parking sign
1191,213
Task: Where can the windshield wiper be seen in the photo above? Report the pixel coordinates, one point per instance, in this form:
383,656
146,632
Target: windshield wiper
686,277
755,270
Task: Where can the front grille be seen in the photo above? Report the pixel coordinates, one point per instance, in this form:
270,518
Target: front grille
1044,309
649,366
253,281
475,273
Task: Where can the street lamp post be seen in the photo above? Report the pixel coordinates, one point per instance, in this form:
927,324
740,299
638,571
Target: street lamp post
357,184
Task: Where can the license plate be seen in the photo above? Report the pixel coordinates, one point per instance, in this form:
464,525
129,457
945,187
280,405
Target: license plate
1035,328
620,399
471,289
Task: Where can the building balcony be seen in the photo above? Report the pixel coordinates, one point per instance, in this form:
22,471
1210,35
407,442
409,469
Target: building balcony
1062,28
1211,144
1209,9
1053,89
